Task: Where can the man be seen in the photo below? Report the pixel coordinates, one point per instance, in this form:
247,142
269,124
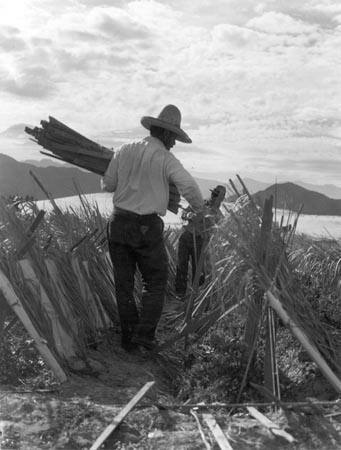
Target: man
192,239
139,174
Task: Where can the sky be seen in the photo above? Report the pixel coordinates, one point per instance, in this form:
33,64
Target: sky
258,83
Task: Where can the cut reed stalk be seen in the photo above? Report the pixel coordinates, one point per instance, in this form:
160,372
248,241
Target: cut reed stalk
306,343
41,344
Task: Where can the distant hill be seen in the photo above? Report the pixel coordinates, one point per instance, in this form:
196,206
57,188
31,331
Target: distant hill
15,179
291,196
57,179
14,131
254,185
251,184
206,185
330,190
46,162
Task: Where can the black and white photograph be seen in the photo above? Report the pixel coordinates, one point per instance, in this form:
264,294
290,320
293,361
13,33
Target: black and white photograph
170,224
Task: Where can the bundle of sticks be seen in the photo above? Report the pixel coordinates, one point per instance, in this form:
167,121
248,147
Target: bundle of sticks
67,145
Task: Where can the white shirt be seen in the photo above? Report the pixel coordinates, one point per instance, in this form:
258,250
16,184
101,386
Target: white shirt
139,175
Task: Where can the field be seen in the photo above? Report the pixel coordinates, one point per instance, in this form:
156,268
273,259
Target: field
215,345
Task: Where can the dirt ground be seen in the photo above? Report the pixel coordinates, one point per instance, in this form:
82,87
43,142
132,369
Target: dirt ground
72,415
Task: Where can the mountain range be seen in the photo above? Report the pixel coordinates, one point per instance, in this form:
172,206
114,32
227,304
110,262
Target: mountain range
16,143
291,196
205,184
57,178
253,186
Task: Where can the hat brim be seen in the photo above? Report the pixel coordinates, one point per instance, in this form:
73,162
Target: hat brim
180,135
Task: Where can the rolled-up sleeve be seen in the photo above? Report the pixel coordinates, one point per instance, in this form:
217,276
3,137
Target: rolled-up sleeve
185,183
109,180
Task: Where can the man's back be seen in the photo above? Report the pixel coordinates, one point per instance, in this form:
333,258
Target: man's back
142,184
139,175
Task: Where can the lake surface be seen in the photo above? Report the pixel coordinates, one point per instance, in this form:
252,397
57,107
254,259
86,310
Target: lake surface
316,226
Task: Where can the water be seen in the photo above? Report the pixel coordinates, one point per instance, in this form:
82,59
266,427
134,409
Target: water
104,202
316,226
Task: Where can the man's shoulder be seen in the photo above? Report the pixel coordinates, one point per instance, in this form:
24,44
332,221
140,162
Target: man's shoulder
132,143
131,146
170,157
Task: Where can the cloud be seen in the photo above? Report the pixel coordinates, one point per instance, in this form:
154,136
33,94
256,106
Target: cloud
278,23
193,151
115,138
10,30
84,36
90,3
328,8
11,43
10,39
83,62
116,23
41,42
309,165
235,35
34,82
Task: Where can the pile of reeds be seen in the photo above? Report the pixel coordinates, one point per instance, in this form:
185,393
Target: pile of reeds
248,260
318,265
321,258
63,278
277,272
65,144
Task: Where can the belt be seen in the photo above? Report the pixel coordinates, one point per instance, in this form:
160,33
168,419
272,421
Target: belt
126,213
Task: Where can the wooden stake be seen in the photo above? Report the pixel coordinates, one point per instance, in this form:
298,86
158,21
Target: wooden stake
234,188
86,293
48,195
102,317
64,343
303,339
14,302
256,208
217,432
201,431
271,376
121,415
255,309
273,427
29,238
53,272
217,405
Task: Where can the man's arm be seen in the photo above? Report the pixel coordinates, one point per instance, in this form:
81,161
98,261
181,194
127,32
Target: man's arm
109,180
218,216
185,183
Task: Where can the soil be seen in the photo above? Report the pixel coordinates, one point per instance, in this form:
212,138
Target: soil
73,414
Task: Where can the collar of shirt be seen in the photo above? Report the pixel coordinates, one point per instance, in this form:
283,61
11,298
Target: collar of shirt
155,141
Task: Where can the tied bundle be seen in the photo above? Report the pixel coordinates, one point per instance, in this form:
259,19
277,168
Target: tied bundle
67,145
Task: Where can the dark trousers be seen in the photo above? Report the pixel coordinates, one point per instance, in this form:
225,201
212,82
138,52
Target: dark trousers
189,249
136,241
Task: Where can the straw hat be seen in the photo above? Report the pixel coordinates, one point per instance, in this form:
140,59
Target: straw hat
219,189
218,193
170,119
